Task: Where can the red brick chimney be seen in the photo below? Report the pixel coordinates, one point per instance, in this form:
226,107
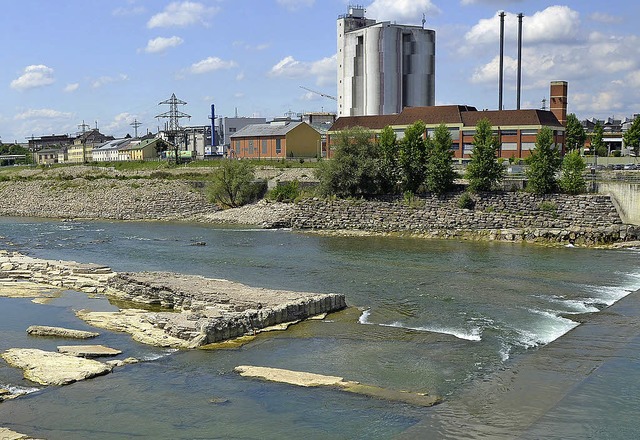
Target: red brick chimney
558,104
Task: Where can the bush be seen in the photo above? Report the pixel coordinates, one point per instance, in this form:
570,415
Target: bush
287,192
233,184
466,201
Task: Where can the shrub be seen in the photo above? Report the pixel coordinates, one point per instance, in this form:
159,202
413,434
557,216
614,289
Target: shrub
466,201
233,184
547,206
287,192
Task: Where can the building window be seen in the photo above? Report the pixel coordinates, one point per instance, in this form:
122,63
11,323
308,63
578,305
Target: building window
529,132
455,133
509,132
455,146
232,129
278,146
509,146
528,145
467,148
264,146
251,151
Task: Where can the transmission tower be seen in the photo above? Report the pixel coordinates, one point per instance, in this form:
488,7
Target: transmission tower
174,115
135,124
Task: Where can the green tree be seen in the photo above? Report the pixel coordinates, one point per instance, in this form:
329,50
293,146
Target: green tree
632,136
484,171
598,148
575,135
355,169
388,146
544,163
161,146
440,174
572,180
412,157
233,184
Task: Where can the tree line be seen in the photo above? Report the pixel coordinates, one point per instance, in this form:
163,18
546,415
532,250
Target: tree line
366,164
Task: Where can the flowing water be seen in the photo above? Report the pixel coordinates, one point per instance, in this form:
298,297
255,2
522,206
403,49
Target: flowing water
443,317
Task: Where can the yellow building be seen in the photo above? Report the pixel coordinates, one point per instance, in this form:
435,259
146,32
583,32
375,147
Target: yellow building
142,150
81,151
276,140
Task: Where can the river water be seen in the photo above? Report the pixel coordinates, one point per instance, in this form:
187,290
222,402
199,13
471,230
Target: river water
470,321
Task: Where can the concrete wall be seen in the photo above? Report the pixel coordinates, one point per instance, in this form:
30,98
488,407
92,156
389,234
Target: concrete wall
627,199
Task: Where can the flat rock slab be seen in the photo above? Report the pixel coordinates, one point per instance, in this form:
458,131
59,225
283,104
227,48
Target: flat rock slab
60,332
50,368
137,323
88,351
7,434
304,379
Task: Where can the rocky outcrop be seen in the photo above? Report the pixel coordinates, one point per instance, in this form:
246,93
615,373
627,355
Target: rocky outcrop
304,379
88,351
212,310
89,278
60,332
49,368
199,310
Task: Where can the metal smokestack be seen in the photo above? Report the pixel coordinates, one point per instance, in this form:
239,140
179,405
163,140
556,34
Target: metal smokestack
519,58
214,142
501,59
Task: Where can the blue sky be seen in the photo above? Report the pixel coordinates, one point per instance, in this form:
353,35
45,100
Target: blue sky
110,62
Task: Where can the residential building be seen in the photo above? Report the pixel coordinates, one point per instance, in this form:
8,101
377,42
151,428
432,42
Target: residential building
109,151
276,140
81,151
383,67
47,156
139,150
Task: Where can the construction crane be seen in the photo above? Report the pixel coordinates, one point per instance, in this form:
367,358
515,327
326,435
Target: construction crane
319,93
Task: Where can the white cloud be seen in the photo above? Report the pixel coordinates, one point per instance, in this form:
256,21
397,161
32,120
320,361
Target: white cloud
104,80
323,70
555,24
71,87
128,12
120,123
402,11
240,76
182,14
34,76
293,5
161,44
601,17
211,64
42,113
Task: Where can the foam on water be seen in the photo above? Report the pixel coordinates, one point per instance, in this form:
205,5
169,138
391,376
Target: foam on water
364,318
548,329
469,335
156,356
17,390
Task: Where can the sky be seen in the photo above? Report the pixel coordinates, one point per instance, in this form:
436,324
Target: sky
110,63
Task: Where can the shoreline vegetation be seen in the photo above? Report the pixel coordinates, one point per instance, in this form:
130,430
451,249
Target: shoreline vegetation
180,194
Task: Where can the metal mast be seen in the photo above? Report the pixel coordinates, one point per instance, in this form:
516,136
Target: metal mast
519,84
174,115
135,124
501,80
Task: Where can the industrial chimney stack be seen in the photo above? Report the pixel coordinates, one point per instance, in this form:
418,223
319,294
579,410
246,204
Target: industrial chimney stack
558,105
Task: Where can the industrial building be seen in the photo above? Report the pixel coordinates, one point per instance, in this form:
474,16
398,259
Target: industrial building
383,67
516,129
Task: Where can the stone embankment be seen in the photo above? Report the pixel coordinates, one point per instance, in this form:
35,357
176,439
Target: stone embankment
199,310
582,220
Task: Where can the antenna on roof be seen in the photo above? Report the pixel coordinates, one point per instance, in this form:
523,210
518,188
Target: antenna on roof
544,103
424,20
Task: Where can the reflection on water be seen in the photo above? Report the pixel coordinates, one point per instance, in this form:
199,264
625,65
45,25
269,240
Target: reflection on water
427,316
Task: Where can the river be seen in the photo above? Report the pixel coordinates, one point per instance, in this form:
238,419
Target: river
457,319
